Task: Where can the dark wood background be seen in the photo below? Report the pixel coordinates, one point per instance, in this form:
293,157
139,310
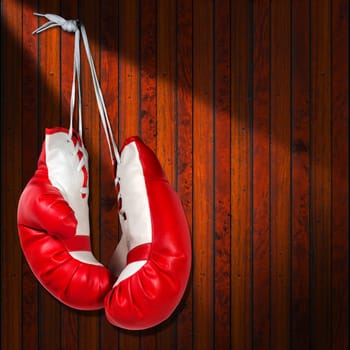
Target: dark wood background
246,104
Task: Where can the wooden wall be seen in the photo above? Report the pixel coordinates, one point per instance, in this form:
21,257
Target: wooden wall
246,103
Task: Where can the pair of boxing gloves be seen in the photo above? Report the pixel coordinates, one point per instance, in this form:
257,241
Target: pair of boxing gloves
150,266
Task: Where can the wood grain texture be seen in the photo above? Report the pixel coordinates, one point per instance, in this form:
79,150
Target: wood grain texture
166,83
241,176
300,206
340,174
280,174
203,172
246,104
221,153
129,75
148,66
166,119
184,103
261,195
11,181
30,147
321,174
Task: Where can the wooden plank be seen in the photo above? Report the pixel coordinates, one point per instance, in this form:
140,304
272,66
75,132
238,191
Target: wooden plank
30,146
300,242
49,56
184,175
129,81
241,191
280,174
49,116
261,176
69,10
89,336
166,150
108,205
148,64
203,225
129,100
321,174
222,318
148,102
166,69
11,180
69,328
340,174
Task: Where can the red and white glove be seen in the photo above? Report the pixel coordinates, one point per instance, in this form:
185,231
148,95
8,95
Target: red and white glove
153,258
53,224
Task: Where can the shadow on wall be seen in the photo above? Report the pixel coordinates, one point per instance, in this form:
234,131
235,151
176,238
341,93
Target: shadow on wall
120,34
108,34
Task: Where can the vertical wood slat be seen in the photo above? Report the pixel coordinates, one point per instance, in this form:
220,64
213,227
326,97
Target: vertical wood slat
166,84
108,232
184,103
320,174
300,148
129,75
261,176
49,116
280,174
241,174
148,66
11,182
222,175
203,174
340,174
68,10
166,120
30,147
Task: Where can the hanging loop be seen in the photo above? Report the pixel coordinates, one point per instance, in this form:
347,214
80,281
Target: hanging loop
75,26
70,25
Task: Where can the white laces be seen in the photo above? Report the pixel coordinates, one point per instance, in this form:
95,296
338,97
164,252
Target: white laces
82,156
74,26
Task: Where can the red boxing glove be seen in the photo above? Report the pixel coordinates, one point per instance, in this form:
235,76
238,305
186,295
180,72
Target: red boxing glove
53,224
153,258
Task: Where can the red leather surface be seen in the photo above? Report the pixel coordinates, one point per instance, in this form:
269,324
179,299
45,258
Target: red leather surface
47,227
149,296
